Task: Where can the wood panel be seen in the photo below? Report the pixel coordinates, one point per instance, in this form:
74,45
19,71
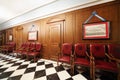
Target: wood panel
19,36
44,38
119,24
83,14
2,37
69,27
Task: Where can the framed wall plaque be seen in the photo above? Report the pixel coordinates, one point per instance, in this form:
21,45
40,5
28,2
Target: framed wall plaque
10,37
100,30
32,35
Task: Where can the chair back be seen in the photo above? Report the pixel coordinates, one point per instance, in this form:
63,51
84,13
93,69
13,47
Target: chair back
27,45
22,45
80,49
12,44
66,49
97,50
38,47
32,46
114,50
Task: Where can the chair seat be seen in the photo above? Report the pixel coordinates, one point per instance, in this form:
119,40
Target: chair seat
65,59
24,52
33,53
82,61
106,66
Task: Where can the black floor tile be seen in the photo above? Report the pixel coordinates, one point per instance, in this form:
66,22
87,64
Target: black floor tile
59,68
11,62
2,70
69,79
49,65
32,69
5,74
72,73
22,66
16,64
53,77
40,63
39,73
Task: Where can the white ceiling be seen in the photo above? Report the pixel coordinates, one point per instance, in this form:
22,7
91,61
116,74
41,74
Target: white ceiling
12,8
15,12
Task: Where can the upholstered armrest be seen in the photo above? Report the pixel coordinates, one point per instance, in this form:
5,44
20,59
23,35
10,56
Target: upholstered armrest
87,54
92,58
117,60
21,48
18,48
113,58
32,49
109,56
26,49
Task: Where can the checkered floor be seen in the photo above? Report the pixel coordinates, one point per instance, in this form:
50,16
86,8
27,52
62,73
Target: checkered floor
12,68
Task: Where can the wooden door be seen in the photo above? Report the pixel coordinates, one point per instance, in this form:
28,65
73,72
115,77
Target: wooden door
55,39
19,37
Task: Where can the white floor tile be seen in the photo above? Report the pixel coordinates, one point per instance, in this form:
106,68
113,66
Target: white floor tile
63,75
28,76
20,61
32,65
50,71
18,72
79,77
11,68
41,67
7,65
26,62
3,63
41,78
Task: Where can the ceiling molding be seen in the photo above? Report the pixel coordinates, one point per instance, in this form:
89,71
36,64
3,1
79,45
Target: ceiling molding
50,10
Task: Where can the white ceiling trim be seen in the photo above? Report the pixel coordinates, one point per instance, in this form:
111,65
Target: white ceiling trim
55,8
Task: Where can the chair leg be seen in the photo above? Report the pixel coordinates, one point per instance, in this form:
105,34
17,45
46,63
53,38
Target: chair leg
57,62
27,57
118,71
72,69
35,58
92,71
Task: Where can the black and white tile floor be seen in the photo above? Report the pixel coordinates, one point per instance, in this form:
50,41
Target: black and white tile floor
12,68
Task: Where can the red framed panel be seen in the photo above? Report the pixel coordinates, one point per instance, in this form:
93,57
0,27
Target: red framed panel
100,30
32,35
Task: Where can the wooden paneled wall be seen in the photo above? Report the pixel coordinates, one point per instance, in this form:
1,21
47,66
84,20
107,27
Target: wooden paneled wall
72,26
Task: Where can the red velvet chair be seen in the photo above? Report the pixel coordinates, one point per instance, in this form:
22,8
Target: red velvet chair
35,51
114,50
4,47
18,50
98,54
22,47
81,57
65,56
10,47
114,54
26,48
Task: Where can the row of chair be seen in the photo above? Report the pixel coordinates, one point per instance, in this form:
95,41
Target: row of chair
8,47
29,50
95,58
